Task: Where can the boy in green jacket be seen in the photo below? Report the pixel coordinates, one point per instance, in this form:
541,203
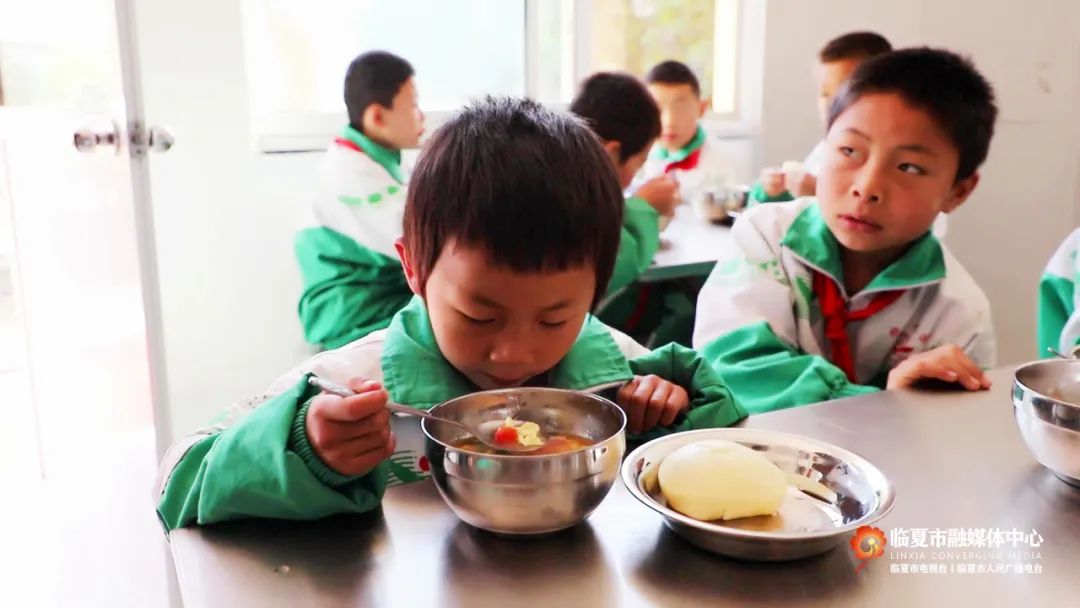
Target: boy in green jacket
506,264
622,113
352,278
1059,291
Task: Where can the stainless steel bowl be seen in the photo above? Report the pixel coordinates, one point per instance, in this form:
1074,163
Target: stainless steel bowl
1046,402
524,494
855,493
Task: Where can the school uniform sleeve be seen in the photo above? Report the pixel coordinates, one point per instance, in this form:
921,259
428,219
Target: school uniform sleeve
263,466
1055,309
758,194
1058,321
980,340
711,403
965,315
638,243
349,291
746,329
766,373
255,459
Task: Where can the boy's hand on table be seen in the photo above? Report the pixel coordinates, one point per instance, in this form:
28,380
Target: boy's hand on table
650,401
662,194
947,363
351,434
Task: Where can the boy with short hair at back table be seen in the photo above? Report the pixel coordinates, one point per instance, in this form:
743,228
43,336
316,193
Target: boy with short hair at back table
622,113
506,264
850,292
1058,319
837,60
352,280
684,150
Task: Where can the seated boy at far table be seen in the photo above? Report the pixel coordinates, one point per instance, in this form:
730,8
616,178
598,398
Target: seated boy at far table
850,292
352,279
1059,293
684,150
622,113
837,61
506,264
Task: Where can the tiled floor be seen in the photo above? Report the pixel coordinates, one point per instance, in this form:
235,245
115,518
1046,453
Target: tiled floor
16,432
87,540
87,535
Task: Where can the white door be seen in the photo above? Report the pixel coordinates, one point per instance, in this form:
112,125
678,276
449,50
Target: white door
79,346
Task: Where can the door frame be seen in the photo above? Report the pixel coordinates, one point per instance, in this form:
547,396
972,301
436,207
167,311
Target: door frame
135,131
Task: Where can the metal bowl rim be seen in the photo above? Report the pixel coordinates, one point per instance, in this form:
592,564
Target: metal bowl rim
1041,363
888,494
607,403
1019,410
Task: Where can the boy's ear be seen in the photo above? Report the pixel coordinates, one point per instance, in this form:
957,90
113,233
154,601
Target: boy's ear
407,266
703,106
961,190
373,117
613,147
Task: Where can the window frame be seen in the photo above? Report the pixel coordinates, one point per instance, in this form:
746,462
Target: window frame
286,132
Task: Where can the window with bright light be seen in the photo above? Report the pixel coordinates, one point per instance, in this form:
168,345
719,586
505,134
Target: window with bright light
634,35
297,52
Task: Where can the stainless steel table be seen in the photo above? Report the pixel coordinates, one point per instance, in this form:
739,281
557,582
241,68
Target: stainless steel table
690,247
956,460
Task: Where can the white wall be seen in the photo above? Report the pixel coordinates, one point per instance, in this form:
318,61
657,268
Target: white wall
1028,198
224,213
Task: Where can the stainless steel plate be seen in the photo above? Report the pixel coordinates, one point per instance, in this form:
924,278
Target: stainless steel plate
840,491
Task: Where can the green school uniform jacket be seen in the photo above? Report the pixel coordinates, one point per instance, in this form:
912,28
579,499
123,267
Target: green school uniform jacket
256,460
1058,321
760,323
352,279
638,243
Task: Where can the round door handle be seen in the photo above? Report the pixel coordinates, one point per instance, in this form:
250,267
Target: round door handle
87,140
159,139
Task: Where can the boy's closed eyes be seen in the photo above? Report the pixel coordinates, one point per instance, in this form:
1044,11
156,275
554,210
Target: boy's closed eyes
497,326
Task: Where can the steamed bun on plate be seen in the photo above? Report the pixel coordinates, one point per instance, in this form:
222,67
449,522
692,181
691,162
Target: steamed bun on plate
716,479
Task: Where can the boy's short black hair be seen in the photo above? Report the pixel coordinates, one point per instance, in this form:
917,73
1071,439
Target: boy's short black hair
944,84
854,45
618,108
673,72
373,77
532,186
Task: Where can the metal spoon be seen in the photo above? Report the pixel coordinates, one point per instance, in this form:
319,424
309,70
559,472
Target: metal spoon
483,435
1053,350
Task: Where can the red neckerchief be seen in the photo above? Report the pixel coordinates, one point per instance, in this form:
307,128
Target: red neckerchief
687,163
640,308
836,315
345,143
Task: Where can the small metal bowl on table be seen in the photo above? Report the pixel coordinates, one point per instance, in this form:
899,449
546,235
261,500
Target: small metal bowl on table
527,494
1046,404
